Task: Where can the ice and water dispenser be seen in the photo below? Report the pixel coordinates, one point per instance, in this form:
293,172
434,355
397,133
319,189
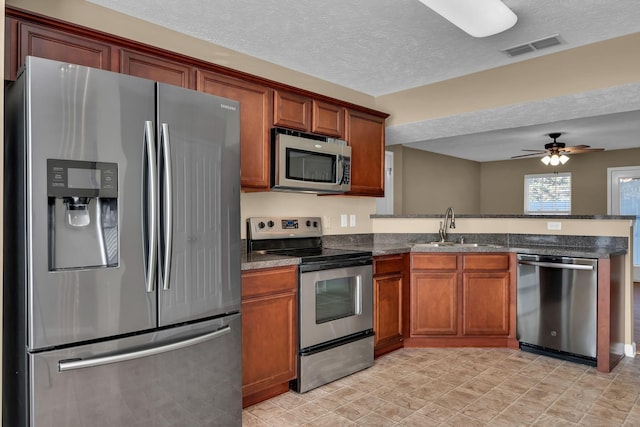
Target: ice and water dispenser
83,214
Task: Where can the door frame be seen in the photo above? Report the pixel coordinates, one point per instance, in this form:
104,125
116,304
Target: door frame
613,174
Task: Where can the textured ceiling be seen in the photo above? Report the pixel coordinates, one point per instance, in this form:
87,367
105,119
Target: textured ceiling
384,46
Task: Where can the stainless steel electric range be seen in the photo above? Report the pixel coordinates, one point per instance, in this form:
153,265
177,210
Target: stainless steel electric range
335,298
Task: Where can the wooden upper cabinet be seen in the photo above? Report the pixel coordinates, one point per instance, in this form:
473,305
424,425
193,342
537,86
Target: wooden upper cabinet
25,38
327,119
254,124
291,110
365,135
156,68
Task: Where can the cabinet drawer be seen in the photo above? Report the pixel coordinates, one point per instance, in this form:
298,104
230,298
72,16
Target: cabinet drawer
386,265
486,262
434,262
269,280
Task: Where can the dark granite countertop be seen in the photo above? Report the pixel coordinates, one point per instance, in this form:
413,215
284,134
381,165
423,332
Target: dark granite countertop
378,248
557,217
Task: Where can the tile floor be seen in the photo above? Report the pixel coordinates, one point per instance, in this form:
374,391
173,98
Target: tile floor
463,387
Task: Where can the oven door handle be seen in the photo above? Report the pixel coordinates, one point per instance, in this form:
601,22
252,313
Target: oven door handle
358,309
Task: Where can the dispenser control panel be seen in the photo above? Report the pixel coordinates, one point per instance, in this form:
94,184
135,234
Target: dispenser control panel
67,178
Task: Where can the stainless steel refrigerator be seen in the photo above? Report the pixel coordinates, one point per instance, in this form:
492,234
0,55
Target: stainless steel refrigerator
122,252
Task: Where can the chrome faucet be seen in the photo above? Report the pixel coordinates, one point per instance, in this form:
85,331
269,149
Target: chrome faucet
450,219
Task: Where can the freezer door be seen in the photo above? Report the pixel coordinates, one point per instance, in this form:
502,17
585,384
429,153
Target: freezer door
199,185
196,385
85,115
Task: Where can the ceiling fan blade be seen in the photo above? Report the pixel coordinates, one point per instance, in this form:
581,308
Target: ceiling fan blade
539,153
577,149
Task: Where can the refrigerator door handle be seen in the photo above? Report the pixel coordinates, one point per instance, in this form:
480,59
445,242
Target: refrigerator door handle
73,364
150,202
168,206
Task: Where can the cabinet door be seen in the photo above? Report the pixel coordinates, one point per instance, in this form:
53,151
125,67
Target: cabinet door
254,124
269,332
387,312
327,119
156,68
485,303
30,39
268,341
365,135
291,110
434,302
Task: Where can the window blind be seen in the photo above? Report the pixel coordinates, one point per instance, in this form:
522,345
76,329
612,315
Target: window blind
548,194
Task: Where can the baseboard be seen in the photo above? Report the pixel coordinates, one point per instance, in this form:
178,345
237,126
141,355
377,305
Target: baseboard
630,350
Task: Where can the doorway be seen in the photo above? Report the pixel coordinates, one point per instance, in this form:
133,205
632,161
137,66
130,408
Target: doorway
624,199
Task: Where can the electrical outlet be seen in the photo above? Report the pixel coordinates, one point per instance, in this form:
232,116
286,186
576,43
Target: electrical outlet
343,220
554,225
326,221
352,220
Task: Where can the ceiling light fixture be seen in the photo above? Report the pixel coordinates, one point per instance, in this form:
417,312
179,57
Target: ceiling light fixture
554,159
478,18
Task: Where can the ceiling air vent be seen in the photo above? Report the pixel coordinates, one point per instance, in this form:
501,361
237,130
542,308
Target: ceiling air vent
532,46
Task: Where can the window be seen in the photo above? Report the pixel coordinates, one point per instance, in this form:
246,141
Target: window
547,194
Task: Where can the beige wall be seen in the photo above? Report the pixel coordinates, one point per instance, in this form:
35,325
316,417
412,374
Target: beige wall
432,182
502,183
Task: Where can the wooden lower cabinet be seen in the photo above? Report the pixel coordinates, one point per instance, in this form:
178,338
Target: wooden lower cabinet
269,332
388,303
462,299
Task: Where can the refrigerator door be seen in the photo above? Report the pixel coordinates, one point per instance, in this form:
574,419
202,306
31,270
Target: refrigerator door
84,115
199,186
136,381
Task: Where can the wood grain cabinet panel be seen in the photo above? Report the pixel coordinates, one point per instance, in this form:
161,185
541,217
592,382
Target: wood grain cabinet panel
462,299
269,332
388,303
327,119
254,124
156,68
434,303
291,110
485,303
365,135
24,38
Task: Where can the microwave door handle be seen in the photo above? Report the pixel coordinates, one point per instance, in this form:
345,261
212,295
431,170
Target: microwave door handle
149,207
340,178
358,308
167,206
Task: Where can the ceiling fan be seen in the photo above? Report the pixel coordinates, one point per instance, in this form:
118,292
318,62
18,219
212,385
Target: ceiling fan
556,151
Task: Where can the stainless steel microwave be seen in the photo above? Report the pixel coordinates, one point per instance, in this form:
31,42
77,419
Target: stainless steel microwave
309,163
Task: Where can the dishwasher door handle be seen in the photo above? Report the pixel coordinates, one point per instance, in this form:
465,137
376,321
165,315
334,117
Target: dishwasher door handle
557,265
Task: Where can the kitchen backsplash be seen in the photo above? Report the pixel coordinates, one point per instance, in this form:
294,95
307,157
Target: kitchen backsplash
356,210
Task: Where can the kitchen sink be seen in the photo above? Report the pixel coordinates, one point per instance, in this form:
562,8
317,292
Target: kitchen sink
455,245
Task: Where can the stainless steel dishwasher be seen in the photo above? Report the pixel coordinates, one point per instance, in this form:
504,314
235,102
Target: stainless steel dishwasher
557,306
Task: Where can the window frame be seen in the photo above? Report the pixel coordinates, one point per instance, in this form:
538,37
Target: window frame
527,182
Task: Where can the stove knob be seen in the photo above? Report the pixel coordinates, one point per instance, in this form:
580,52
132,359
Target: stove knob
315,224
308,223
270,224
261,225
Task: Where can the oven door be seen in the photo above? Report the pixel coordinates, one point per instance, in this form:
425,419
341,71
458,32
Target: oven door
335,303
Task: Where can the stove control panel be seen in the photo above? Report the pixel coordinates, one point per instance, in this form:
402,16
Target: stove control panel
260,228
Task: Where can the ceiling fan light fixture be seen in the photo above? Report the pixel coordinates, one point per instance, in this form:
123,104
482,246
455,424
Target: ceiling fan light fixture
478,18
554,159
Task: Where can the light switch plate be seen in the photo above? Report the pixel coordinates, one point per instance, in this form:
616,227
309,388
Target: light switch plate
343,220
352,220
